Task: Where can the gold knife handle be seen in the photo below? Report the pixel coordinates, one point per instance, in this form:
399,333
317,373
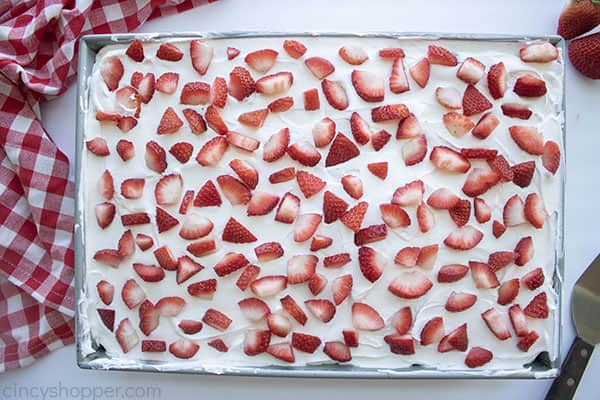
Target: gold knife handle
565,385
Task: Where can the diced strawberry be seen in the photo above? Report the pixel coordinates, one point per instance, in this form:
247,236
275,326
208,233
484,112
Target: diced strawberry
485,126
350,337
279,325
402,320
483,276
135,80
500,259
288,208
501,167
268,285
305,342
230,263
391,53
389,112
186,268
254,309
353,186
537,307
112,72
524,250
551,156
538,52
333,207
98,146
126,245
460,301
479,153
420,72
235,232
379,169
168,189
528,139
496,323
135,219
410,194
146,87
320,242
535,212
129,100
400,344
336,260
126,335
219,345
215,121
432,331
306,226
135,51
108,317
305,153
195,226
341,288
449,160
261,60
452,273
207,196
448,97
290,305
335,94
106,291
398,79
478,357
170,306
234,190
455,340
508,291
182,151
480,180
276,146
341,150
322,309
132,188
516,110
268,251
442,199
353,218
201,54
218,92
241,83
184,348
169,52
164,220
410,285
165,258
528,340
441,56
461,212
108,257
190,326
169,122
301,268
425,218
498,229
471,71
149,317
283,175
353,55
249,175
457,124
317,283
202,247
311,99
496,80
464,238
483,212
518,320
132,294
368,86
247,277
529,85
253,119
319,67
203,289
167,83
365,317
105,213
276,84
427,256
323,132
155,157
216,319
281,105
262,203
370,234
371,263
394,216
232,53
125,149
533,279
282,351
294,48
513,213
380,139
195,93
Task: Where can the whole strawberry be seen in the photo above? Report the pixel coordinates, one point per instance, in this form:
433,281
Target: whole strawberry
578,17
585,55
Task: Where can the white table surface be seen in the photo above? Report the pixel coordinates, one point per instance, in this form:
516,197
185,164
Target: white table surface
582,210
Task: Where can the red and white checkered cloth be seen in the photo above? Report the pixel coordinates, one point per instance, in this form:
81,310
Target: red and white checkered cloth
38,58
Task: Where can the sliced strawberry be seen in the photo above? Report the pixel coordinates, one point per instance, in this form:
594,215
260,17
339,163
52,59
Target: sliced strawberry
167,83
126,245
479,153
365,317
368,85
478,357
311,100
398,79
309,184
132,188
370,234
125,149
184,348
464,238
189,326
538,52
202,247
132,294
135,219
98,146
322,309
353,186
232,53
106,291
496,80
496,323
508,291
410,285
182,151
353,218
283,175
301,268
449,160
501,167
268,285
461,212
533,279
336,260
168,189
513,213
371,263
320,242
471,71
129,100
480,180
155,157
207,196
276,146
186,268
389,112
380,139
425,218
254,309
341,288
216,319
500,259
427,256
215,121
170,306
350,337
516,110
112,72
108,257
279,325
414,150
524,250
247,277
290,305
410,194
529,85
379,169
391,53
262,203
288,208
528,139
235,232
498,229
341,150
305,342
268,251
201,55
219,345
195,93
441,56
281,105
165,258
169,52
146,87
149,317
218,92
319,67
535,212
528,340
333,207
261,60
335,94
164,220
241,83
105,213
135,51
402,320
169,122
353,55
246,172
203,289
537,307
432,331
305,153
306,226
452,273
448,97
483,212
230,263
317,283
551,156
108,317
455,340
135,80
443,199
323,132
394,216
420,72
234,190
483,276
126,335
460,301
485,126
518,320
294,48
276,84
195,226
282,351
457,124
400,344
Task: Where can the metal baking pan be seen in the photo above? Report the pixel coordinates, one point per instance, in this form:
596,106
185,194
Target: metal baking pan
91,355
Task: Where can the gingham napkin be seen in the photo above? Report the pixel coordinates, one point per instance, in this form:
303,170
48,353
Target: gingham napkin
38,58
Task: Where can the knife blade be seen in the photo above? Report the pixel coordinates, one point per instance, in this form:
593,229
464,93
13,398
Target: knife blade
585,312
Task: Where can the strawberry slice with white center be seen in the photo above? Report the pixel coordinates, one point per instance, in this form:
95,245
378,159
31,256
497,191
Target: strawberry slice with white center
335,94
105,213
341,288
112,72
132,188
276,84
108,257
164,220
201,55
218,92
186,268
420,72
320,242
341,150
394,216
442,199
254,309
301,268
427,256
337,351
398,79
216,319
353,186
498,229
149,273
410,285
282,351
353,55
323,132
184,348
202,247
496,80
524,251
534,210
508,291
106,291
538,52
425,218
371,263
407,256
256,341
108,317
290,305
305,153
460,301
306,226
132,294
276,146
155,157
414,150
98,146
400,344
513,213
480,180
235,232
360,129
261,60
203,289
126,335
241,83
128,99
471,71
170,306
125,149
410,194
368,85
433,331
294,48
495,321
528,138
485,126
483,212
168,189
455,340
452,273
268,251
317,283
518,320
449,97
242,142
195,226
245,171
269,285
279,325
449,160
319,67
551,156
167,82
165,258
366,318
402,320
247,277
262,203
146,87
457,124
464,238
441,56
322,309
169,122
483,276
234,190
288,208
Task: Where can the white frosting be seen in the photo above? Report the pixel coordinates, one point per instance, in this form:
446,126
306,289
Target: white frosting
372,352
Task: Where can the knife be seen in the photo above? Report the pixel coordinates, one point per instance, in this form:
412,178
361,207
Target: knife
585,306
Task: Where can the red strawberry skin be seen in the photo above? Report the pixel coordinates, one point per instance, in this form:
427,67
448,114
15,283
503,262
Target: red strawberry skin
584,54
